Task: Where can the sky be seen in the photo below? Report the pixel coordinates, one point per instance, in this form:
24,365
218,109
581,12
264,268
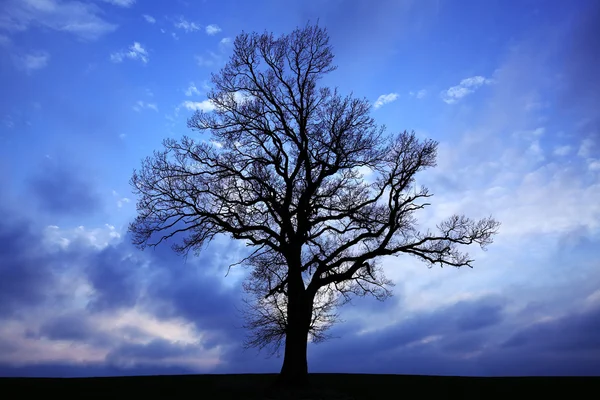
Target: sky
510,90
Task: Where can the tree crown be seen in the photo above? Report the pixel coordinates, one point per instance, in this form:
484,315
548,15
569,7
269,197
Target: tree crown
282,171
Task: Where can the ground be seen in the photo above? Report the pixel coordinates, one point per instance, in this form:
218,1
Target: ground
324,386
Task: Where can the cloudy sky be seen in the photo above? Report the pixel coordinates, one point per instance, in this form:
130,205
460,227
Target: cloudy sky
510,89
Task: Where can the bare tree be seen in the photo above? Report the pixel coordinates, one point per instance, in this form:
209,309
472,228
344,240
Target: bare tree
282,172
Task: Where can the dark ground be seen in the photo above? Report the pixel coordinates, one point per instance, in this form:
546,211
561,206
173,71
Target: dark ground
326,386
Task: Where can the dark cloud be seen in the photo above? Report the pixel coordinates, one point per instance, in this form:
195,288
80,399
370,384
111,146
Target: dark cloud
582,61
195,289
61,189
465,342
6,347
115,276
157,349
436,343
25,275
427,333
481,316
67,327
572,333
73,327
580,81
85,370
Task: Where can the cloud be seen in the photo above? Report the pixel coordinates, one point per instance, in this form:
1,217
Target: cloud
93,238
572,333
580,82
586,148
121,3
22,282
149,18
80,19
186,25
71,326
594,165
192,90
71,297
205,105
98,369
113,275
33,61
431,334
135,52
464,88
421,94
61,189
385,99
212,29
122,308
140,105
155,350
211,60
120,200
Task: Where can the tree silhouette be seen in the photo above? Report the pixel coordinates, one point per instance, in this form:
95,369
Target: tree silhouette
282,172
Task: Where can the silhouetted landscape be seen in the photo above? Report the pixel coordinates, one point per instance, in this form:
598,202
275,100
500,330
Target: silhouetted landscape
324,386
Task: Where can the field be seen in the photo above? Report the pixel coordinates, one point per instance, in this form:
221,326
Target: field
324,386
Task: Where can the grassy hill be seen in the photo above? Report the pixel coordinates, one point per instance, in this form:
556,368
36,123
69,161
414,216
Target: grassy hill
324,386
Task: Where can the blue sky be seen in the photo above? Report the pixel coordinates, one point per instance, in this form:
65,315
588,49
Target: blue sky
510,89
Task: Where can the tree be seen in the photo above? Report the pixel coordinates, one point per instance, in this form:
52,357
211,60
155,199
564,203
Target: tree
282,172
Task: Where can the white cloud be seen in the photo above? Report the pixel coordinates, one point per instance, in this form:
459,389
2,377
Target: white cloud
211,60
421,94
192,90
562,150
465,87
135,52
121,3
531,134
140,105
205,105
594,165
186,25
32,61
150,19
585,148
536,151
212,29
80,19
385,99
120,200
99,238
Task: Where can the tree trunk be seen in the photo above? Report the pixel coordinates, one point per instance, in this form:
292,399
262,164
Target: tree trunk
294,371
